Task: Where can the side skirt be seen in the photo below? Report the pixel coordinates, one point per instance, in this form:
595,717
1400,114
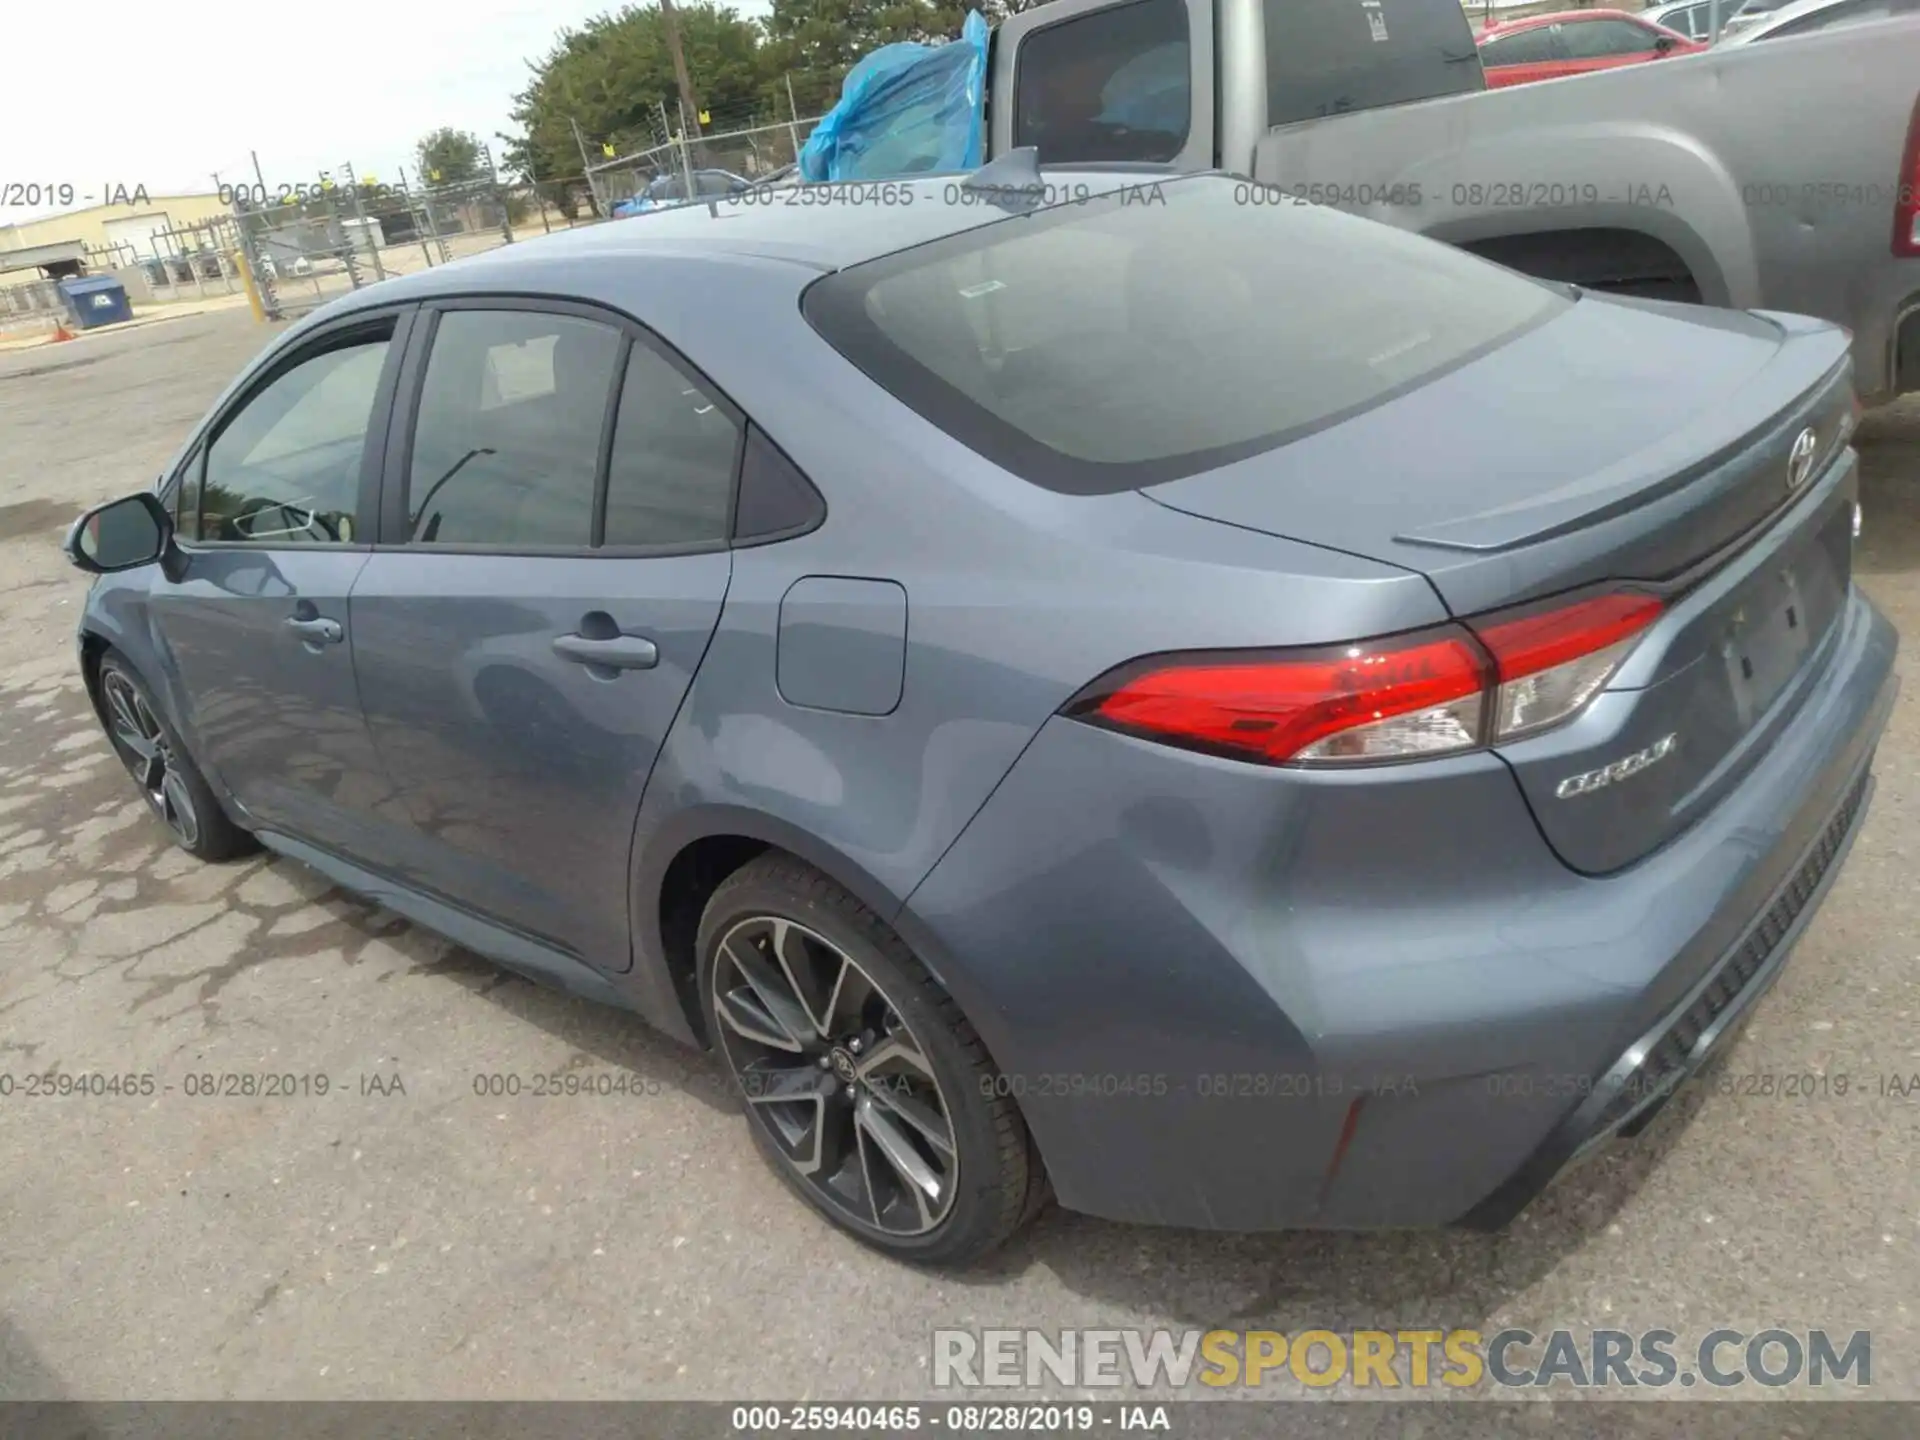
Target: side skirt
519,953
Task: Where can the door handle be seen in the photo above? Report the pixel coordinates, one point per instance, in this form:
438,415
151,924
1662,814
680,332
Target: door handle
319,631
620,652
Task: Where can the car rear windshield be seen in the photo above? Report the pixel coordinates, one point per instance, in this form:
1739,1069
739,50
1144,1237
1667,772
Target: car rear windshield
1327,57
1167,328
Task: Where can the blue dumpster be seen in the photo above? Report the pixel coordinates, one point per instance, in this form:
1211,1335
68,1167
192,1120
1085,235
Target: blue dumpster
96,300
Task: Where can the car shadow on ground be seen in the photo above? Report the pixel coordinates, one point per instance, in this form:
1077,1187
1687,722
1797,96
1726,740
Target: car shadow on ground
1286,1281
600,1036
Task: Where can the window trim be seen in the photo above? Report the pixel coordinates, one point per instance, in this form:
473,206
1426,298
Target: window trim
392,532
266,371
172,485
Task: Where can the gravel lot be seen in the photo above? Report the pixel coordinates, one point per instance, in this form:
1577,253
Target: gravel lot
427,1242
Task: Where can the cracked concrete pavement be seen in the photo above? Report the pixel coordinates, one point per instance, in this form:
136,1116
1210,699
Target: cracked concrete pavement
403,1236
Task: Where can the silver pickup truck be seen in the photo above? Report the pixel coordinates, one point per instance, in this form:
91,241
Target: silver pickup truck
1779,175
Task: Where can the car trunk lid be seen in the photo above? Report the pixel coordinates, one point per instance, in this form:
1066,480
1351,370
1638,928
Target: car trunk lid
1623,441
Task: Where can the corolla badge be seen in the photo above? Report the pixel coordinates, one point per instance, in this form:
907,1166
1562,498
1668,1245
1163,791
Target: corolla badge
1592,780
1800,459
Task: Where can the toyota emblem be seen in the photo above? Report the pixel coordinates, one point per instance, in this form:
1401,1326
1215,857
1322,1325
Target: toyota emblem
1800,459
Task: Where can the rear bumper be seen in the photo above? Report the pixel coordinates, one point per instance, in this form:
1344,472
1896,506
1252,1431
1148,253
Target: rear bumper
1653,1068
1235,998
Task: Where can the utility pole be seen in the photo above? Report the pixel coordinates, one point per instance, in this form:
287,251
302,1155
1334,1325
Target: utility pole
498,195
533,178
686,157
372,234
422,230
586,165
254,155
689,102
793,117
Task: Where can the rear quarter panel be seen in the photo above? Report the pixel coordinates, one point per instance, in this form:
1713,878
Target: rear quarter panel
1015,598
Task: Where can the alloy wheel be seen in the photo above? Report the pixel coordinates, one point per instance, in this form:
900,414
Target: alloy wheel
149,756
834,1077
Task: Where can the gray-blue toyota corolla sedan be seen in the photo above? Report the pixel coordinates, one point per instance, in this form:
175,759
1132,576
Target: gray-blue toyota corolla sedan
1224,713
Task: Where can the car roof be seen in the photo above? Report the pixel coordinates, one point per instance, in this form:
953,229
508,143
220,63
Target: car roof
821,227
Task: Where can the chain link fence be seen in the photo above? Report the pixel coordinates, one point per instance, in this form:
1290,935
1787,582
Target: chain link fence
753,153
328,240
304,253
30,300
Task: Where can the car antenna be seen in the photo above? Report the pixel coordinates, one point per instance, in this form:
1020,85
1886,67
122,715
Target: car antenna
1012,181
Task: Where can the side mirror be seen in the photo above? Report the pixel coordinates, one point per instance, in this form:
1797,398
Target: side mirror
120,535
1663,46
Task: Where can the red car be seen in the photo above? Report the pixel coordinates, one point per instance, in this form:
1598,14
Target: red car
1572,42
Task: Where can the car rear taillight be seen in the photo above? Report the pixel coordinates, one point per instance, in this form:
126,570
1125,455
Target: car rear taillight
1906,208
1419,694
1552,661
1432,692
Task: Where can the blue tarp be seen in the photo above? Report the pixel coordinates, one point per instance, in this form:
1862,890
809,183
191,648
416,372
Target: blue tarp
905,110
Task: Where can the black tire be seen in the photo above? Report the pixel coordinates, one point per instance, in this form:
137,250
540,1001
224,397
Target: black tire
997,1182
162,770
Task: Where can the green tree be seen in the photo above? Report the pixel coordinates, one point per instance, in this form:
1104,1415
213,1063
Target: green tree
814,43
449,157
613,75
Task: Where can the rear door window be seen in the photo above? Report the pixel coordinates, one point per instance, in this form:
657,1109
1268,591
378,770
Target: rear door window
1328,57
1687,22
1603,39
675,449
1524,47
1111,85
506,447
